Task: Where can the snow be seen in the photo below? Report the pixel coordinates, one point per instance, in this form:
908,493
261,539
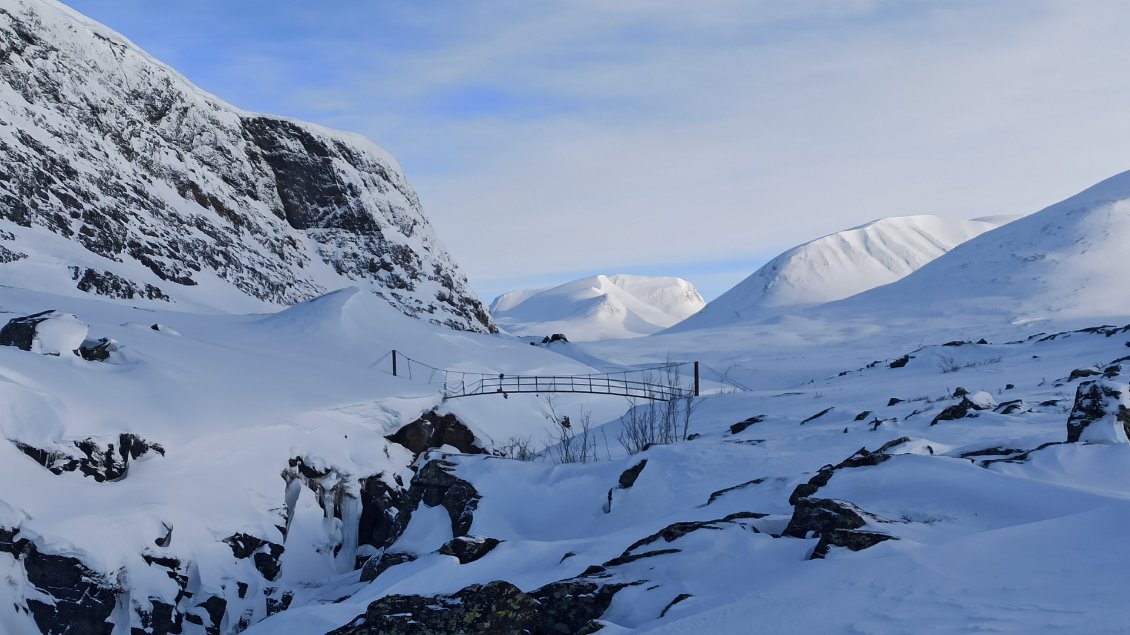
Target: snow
840,265
58,334
598,307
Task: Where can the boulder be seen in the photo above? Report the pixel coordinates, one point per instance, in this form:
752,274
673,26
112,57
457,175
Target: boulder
78,601
468,549
101,458
1101,413
433,430
745,423
46,333
375,566
570,606
853,539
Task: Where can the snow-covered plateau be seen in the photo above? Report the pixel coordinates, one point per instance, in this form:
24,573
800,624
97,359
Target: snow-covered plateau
598,307
275,455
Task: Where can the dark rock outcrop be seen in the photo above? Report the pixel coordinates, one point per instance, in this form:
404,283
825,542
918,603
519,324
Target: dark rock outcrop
469,548
745,423
114,286
628,477
853,539
963,409
96,350
862,458
1099,402
263,553
570,606
80,600
433,430
103,459
377,565
435,484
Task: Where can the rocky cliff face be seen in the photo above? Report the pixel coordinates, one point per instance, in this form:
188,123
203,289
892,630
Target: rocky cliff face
175,196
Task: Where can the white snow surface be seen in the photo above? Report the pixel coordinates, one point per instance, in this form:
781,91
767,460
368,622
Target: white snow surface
599,307
840,265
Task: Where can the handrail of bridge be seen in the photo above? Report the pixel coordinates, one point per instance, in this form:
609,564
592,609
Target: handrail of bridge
641,383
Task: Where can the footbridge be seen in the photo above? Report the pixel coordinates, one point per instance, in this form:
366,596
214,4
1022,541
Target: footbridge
663,382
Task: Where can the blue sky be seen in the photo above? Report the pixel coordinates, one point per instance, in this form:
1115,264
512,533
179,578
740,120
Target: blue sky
553,139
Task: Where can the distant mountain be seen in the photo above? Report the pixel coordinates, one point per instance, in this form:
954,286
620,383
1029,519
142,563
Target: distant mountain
120,178
599,307
1063,262
840,265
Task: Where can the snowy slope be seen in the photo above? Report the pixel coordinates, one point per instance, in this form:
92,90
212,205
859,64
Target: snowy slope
840,265
598,307
120,178
1061,263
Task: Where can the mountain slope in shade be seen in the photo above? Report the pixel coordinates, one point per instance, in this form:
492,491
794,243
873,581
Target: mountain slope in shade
599,307
840,265
120,178
1063,262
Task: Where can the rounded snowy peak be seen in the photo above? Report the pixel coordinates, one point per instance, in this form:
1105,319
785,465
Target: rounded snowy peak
1061,262
599,307
841,265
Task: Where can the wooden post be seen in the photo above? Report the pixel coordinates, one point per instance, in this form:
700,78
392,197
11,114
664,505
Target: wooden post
394,363
696,379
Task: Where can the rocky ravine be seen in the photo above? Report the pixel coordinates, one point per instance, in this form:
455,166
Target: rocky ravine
176,196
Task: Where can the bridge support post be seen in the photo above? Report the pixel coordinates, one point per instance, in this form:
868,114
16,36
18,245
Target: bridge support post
695,378
394,363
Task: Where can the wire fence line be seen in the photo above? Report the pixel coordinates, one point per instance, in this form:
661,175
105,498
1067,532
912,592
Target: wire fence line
661,382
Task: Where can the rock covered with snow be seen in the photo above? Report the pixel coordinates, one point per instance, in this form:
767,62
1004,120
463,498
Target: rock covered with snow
46,333
599,307
126,181
1101,413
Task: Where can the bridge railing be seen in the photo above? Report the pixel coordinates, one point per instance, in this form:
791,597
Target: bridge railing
660,383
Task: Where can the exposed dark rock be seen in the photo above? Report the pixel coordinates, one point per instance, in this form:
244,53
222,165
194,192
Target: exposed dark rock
677,530
1081,373
862,458
433,430
209,614
96,350
863,415
380,504
81,599
1010,407
556,337
375,566
853,539
722,492
957,343
469,548
958,411
1096,401
959,392
817,415
20,331
742,425
114,286
433,485
263,553
893,401
279,604
162,619
570,606
97,458
902,361
629,476
822,515
678,598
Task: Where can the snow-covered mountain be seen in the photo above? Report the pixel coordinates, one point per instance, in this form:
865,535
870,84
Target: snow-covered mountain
1057,264
599,307
841,265
120,178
